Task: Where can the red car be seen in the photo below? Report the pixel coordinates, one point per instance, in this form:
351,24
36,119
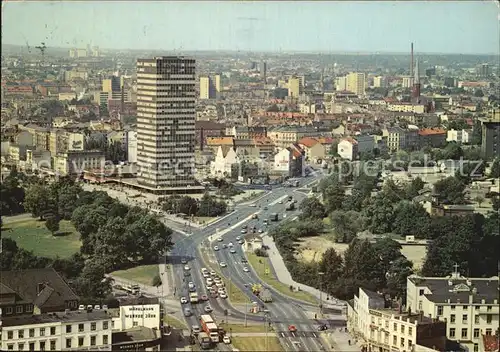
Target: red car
292,328
204,298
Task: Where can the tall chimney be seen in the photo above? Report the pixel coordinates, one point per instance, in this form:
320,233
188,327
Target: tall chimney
411,64
202,138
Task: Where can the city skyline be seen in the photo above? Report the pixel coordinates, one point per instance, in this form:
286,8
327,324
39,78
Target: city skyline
463,27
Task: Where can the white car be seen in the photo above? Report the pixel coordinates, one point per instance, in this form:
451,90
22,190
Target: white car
204,270
213,273
226,340
208,309
230,244
241,242
245,269
221,290
206,275
220,239
280,202
217,279
223,295
190,284
232,251
261,231
223,264
210,282
184,300
253,205
81,307
238,238
216,248
186,267
219,284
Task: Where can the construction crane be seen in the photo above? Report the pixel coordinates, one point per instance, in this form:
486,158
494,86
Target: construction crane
41,48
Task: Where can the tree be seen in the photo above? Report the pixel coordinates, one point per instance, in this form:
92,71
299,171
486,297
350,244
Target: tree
413,188
92,283
451,190
52,224
387,251
209,206
392,192
67,200
156,282
331,265
115,152
188,205
334,197
410,219
452,151
397,275
346,224
312,209
363,265
478,93
37,200
110,245
479,200
380,214
470,170
495,168
495,202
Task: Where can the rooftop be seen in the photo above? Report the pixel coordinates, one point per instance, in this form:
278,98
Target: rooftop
72,316
458,289
137,301
136,334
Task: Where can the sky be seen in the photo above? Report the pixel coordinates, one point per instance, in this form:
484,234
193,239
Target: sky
312,26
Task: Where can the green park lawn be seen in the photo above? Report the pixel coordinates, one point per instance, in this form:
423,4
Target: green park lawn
257,343
174,322
32,235
271,280
142,274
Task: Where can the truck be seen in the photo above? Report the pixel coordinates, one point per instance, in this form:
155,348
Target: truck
273,217
263,293
296,183
290,206
204,340
208,326
193,297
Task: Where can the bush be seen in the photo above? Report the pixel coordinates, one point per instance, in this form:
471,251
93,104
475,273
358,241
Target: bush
156,282
260,252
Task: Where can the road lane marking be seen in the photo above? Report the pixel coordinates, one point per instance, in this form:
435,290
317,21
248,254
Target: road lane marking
278,200
314,334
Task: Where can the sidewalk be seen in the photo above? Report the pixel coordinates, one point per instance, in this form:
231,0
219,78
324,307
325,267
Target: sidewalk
284,276
339,341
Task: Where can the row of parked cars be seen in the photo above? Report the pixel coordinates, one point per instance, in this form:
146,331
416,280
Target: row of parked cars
91,307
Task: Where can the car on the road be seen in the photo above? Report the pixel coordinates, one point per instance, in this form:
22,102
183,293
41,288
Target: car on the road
265,208
241,242
186,267
187,312
183,261
208,309
292,328
184,300
243,231
224,246
190,284
322,327
238,238
195,329
244,260
232,250
245,269
226,339
253,205
216,248
220,239
223,264
280,202
230,244
261,231
255,216
204,298
223,295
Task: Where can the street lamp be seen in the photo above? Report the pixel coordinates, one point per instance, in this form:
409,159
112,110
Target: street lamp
266,318
320,278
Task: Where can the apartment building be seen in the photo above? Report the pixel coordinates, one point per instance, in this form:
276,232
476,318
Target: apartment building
490,129
469,306
388,329
458,136
294,87
210,87
356,83
379,82
206,129
283,136
396,138
61,141
341,84
406,107
166,122
58,331
432,137
75,162
34,291
131,142
290,161
348,148
41,135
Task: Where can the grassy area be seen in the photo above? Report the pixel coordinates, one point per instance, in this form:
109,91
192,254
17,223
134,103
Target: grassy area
257,343
235,294
31,234
203,219
143,274
269,279
241,327
174,322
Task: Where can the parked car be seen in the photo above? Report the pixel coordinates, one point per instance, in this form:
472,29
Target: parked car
216,248
184,300
223,264
183,261
223,295
292,328
232,251
204,297
226,340
186,267
187,312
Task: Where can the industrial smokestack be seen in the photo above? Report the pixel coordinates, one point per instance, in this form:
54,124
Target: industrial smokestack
411,64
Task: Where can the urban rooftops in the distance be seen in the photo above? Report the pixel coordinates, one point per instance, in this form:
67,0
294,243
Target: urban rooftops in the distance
68,316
